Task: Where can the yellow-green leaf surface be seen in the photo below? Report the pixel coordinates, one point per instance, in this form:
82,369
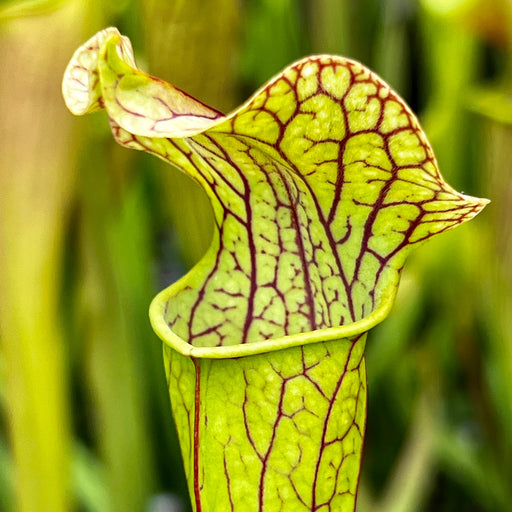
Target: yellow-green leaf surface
320,184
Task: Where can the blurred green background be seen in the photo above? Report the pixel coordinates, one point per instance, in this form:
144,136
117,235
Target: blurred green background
90,231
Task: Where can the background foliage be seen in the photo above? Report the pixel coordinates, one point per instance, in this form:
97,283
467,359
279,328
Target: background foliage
89,232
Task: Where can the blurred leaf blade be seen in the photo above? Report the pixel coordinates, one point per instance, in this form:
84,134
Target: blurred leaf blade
31,241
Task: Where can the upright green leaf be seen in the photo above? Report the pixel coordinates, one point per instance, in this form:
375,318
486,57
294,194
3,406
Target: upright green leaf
320,184
35,190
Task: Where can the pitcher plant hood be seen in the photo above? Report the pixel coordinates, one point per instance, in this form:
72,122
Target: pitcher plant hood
320,184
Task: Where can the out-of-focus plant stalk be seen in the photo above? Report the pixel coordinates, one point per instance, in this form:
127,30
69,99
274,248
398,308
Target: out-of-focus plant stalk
113,360
193,44
35,185
454,64
498,142
392,50
331,27
499,275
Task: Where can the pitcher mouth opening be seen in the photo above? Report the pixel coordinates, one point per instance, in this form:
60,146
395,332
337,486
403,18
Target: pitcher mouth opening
171,339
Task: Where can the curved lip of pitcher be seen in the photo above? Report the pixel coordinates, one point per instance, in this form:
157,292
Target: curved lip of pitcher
172,340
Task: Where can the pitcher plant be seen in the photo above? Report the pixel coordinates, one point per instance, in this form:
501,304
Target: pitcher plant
320,185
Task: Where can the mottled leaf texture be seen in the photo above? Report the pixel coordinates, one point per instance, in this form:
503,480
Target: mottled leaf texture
320,184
